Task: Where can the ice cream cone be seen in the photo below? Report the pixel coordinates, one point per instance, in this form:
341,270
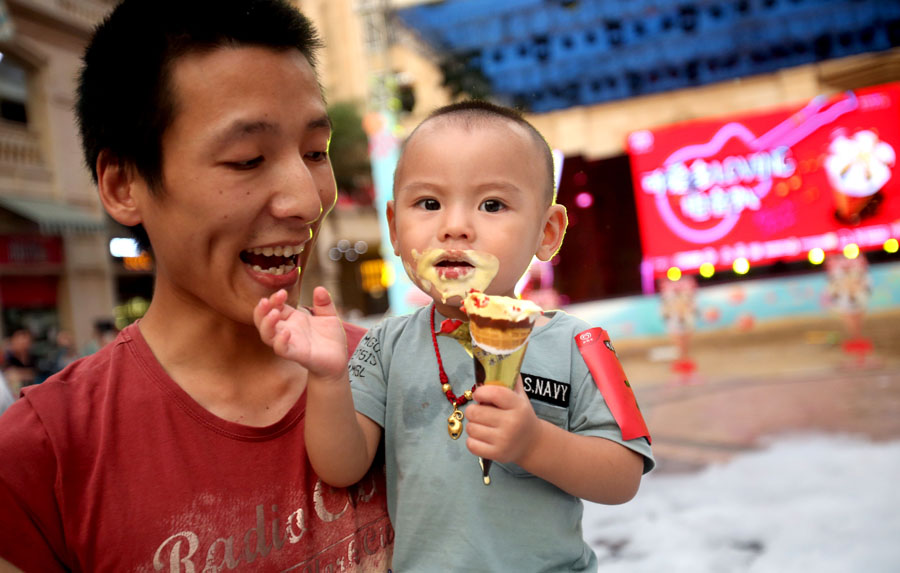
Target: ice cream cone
500,327
498,340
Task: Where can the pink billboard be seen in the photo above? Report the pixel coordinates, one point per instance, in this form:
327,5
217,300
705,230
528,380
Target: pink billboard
769,186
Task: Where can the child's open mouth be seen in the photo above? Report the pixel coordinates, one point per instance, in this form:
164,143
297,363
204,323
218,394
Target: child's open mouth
273,260
450,270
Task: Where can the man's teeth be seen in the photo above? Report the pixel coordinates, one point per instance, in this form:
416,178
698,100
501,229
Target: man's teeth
279,270
279,251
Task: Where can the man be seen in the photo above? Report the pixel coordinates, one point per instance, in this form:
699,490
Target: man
179,447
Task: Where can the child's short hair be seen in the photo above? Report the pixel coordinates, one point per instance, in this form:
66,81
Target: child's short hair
124,98
472,111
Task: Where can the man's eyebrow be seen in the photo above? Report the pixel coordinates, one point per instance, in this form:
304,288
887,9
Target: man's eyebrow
323,122
241,128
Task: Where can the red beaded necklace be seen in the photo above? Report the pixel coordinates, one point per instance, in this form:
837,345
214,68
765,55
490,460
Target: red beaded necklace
454,422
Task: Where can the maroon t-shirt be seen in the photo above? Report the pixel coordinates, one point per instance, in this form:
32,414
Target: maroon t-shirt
111,466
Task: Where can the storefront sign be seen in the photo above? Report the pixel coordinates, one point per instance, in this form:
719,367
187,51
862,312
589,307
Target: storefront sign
27,250
770,186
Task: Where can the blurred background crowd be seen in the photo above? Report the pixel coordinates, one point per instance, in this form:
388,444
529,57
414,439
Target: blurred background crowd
26,361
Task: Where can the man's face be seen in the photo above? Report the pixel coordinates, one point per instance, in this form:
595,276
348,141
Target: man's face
246,179
464,189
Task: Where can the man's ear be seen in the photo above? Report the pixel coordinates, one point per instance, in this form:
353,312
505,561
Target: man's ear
555,223
392,226
119,185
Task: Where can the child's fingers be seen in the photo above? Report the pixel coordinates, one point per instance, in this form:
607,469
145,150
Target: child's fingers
260,310
279,297
322,303
277,301
520,385
495,395
478,447
267,324
281,342
483,416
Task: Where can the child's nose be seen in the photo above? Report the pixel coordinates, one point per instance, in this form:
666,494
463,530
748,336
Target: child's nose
457,226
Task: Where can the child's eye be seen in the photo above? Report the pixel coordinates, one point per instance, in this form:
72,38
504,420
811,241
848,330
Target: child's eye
248,164
492,206
428,204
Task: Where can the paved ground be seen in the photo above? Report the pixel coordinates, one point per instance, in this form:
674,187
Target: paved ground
791,377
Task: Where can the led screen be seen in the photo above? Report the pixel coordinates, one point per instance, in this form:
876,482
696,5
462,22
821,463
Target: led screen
770,186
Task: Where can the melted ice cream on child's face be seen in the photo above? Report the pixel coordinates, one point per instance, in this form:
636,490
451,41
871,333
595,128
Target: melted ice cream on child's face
453,272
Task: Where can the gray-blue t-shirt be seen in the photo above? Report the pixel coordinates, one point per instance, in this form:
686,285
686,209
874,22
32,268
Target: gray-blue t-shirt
445,519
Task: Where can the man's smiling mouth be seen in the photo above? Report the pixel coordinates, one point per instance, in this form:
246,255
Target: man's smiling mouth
278,260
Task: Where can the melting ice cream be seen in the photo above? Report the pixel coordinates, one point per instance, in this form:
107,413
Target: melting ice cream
453,272
500,324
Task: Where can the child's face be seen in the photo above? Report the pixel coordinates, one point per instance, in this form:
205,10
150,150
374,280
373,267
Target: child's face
478,189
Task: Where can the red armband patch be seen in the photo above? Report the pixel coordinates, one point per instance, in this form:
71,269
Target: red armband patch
601,360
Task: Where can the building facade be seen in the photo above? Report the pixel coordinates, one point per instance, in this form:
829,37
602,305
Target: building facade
55,268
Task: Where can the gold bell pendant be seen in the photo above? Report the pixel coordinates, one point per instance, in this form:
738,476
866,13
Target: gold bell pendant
454,423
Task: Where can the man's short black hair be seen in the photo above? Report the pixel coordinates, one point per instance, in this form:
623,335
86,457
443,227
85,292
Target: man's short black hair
125,101
476,110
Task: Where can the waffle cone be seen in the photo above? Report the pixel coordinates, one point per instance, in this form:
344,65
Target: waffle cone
503,340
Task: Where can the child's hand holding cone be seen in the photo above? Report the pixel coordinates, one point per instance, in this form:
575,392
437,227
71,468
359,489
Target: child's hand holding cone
502,424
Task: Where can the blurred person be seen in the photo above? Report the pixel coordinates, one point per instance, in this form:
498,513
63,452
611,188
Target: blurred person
103,333
61,354
20,362
179,446
847,290
473,197
678,307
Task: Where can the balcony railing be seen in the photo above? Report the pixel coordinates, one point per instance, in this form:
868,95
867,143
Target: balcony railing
21,156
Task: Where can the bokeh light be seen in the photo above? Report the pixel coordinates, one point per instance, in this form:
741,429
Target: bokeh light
851,251
707,270
816,256
674,273
584,199
891,245
741,266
